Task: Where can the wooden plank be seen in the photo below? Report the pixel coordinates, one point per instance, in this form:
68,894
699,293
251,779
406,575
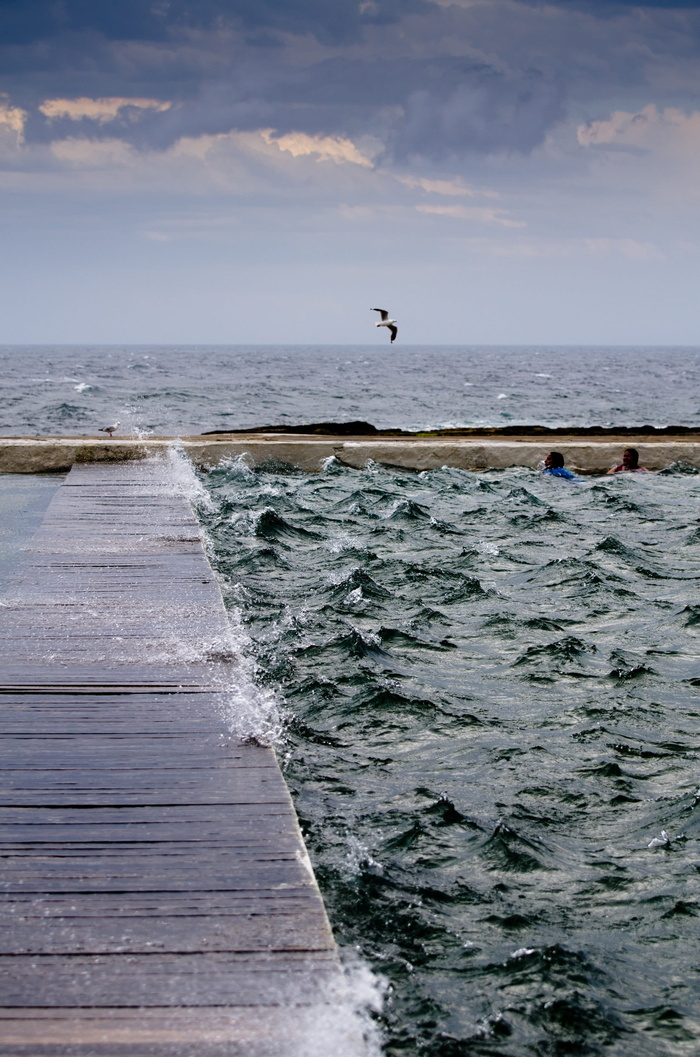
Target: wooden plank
60,676
203,814
149,858
162,979
199,926
231,1032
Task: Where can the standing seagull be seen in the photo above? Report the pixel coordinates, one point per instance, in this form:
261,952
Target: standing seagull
386,322
108,429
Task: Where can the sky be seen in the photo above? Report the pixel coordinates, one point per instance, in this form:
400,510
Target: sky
268,171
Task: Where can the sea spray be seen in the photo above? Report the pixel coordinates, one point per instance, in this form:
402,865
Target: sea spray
184,480
344,1022
251,711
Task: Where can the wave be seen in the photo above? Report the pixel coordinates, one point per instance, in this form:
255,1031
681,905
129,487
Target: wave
269,525
507,850
353,581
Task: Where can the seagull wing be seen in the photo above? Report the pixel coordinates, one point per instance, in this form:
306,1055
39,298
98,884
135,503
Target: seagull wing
382,312
393,331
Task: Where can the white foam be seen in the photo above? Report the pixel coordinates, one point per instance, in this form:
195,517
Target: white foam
341,1024
341,541
330,463
247,520
185,481
251,712
359,857
140,434
238,465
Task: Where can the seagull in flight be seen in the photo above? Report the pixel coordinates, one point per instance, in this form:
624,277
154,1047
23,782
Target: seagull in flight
109,430
386,322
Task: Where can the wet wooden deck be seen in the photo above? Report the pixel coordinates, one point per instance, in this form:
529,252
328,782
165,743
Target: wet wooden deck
155,893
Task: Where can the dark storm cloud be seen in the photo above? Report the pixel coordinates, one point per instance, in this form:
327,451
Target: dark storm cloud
385,68
339,21
437,108
331,21
609,7
442,107
483,111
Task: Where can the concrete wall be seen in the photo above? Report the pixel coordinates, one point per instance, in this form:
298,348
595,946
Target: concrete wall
47,454
582,456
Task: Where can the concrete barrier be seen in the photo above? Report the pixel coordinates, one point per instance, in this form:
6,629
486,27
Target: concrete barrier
580,456
585,455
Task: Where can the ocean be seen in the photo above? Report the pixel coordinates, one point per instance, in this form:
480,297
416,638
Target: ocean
182,390
484,687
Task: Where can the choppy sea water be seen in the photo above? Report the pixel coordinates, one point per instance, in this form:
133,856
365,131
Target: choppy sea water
184,389
492,738
488,682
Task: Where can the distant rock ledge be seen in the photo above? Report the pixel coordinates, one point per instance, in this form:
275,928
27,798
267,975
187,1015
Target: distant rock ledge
366,429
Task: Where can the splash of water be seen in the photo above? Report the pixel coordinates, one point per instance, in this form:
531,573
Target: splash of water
342,1022
251,712
343,1025
184,480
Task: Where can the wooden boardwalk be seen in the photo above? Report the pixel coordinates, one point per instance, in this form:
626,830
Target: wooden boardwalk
155,893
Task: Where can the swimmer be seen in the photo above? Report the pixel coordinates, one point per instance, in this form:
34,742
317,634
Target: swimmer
554,467
630,463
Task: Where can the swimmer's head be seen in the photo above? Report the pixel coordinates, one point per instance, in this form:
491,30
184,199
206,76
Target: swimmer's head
630,458
554,460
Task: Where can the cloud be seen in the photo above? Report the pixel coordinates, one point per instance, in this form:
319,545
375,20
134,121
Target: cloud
230,167
485,112
410,107
629,248
409,86
406,72
27,21
12,118
100,110
484,215
647,129
605,7
451,188
80,153
327,148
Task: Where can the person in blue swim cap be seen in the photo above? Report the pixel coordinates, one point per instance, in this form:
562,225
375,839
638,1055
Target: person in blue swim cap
554,467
